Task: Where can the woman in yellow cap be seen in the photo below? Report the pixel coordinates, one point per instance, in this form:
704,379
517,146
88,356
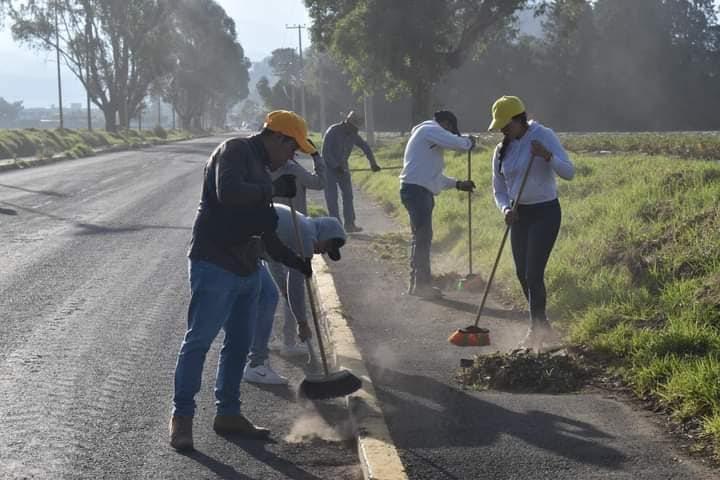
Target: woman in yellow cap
535,221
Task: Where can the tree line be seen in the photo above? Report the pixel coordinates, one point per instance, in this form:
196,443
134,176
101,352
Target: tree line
183,51
595,65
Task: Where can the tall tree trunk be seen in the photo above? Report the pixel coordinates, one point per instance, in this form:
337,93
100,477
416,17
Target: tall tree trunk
110,112
421,102
185,121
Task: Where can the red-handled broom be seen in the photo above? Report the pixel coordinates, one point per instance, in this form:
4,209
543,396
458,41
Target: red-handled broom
474,336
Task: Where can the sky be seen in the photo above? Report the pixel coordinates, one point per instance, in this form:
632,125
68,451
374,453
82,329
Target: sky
30,76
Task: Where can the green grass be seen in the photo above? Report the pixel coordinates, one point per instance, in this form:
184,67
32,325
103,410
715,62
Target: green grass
635,274
32,142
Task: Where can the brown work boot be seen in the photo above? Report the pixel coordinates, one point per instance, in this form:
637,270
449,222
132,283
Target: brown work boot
238,425
181,437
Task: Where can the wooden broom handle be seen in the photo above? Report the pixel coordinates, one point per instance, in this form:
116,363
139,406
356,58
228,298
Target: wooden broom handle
311,295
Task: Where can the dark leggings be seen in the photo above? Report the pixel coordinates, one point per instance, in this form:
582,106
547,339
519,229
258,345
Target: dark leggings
532,239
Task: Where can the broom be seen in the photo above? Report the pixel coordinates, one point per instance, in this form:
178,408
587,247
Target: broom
326,385
474,336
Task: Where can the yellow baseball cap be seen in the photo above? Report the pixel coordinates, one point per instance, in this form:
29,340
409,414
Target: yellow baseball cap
291,125
503,110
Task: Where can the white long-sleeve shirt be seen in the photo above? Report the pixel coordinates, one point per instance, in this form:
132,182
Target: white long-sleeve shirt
541,185
423,162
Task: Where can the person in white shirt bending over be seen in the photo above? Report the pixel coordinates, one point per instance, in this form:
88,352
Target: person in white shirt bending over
535,223
420,180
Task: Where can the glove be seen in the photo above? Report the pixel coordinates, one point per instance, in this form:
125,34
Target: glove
284,186
473,141
465,185
375,168
306,267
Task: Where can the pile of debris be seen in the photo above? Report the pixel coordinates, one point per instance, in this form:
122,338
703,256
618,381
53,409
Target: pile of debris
524,371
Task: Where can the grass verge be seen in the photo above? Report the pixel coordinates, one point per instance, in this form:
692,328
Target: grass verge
40,143
635,273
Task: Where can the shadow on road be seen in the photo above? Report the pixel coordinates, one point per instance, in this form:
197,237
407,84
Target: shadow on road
220,469
91,228
259,452
444,417
42,192
472,308
8,211
196,148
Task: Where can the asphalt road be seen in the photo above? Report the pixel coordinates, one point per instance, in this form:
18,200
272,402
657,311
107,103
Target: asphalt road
444,432
93,297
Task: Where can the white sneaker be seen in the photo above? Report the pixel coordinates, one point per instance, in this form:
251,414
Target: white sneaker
294,350
263,374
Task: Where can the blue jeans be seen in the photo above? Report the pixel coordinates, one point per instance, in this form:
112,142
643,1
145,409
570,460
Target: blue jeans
333,180
292,286
532,239
218,299
259,351
419,202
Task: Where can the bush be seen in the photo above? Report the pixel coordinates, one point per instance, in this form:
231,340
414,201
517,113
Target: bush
160,132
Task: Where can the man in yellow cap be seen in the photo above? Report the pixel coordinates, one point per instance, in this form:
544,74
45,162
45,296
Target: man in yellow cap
235,223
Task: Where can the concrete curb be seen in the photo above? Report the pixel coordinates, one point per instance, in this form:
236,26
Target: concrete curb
378,455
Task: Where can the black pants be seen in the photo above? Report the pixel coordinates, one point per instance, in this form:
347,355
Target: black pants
532,239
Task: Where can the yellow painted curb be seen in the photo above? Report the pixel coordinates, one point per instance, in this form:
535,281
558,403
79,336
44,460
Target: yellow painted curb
378,455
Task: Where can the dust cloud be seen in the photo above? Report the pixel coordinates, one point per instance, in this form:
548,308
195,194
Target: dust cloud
311,426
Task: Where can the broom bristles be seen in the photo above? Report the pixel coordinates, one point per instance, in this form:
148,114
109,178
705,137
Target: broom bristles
337,384
470,337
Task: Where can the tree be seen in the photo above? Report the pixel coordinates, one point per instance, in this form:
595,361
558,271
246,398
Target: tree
116,49
211,71
404,46
9,112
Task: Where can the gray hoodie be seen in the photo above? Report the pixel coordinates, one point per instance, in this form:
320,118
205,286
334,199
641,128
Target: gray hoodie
311,230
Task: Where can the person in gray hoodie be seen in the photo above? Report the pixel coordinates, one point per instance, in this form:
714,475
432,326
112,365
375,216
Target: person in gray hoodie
319,235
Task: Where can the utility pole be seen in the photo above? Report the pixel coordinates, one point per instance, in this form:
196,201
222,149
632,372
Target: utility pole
302,72
321,91
88,34
57,53
369,118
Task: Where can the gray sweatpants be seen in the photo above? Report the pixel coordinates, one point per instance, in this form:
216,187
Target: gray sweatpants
291,284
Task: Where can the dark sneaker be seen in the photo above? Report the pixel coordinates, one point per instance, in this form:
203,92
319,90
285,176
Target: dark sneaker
238,425
352,228
181,436
426,291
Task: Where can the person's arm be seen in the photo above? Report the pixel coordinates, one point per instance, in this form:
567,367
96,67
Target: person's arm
502,197
448,182
312,181
559,161
437,135
283,254
363,145
231,185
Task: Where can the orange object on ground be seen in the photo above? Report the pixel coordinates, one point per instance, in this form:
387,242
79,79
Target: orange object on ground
471,336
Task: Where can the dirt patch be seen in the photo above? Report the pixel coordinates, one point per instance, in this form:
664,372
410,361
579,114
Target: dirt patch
525,371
